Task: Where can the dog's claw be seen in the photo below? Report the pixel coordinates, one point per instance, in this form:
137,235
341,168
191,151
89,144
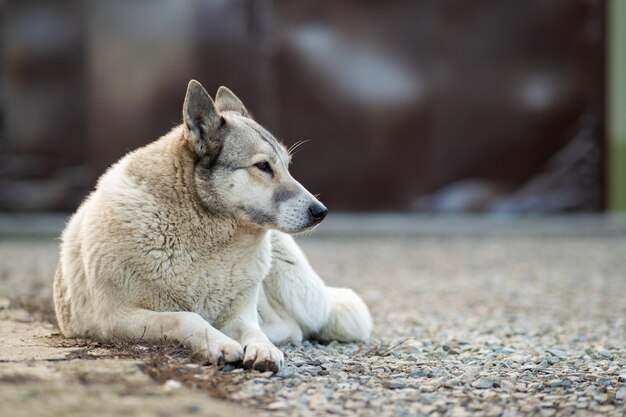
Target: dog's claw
273,367
263,358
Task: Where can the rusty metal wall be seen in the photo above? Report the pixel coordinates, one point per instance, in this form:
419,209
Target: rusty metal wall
430,106
43,159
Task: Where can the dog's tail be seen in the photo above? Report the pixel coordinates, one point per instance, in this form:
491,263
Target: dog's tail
349,319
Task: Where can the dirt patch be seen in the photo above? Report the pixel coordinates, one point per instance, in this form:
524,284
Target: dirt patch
42,373
40,307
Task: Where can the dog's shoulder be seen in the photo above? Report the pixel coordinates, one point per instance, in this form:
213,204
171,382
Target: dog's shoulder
161,167
154,180
138,200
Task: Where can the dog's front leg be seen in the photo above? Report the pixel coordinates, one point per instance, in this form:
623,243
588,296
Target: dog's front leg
185,327
259,352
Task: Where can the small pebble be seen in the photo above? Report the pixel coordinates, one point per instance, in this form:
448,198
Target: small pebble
428,388
275,406
483,383
564,383
556,352
172,384
507,385
394,384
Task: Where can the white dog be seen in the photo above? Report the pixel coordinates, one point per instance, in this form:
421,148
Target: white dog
187,239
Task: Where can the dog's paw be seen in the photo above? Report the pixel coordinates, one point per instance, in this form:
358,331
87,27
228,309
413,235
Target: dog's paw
221,352
263,357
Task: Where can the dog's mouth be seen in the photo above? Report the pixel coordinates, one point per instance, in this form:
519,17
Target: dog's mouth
303,232
306,229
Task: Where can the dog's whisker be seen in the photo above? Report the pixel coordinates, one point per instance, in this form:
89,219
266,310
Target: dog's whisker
296,147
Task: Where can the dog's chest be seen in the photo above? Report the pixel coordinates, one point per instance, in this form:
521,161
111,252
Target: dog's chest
212,280
230,279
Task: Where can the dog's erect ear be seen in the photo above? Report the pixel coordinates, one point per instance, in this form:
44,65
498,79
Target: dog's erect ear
226,100
201,121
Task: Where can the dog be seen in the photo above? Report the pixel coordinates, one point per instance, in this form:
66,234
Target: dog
188,239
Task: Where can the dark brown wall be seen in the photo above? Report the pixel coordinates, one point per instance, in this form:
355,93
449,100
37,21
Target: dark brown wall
456,105
43,141
476,89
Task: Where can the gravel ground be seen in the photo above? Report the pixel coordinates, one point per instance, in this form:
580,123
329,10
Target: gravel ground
480,326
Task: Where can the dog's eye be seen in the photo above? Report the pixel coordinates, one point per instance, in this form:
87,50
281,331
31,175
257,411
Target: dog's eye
264,166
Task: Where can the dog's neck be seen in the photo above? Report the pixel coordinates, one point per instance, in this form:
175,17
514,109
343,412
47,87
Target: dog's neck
174,182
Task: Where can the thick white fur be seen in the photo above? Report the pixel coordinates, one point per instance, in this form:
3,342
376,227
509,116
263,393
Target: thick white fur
144,259
296,304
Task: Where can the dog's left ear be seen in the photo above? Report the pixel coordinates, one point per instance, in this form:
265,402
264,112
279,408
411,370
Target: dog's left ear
226,100
201,121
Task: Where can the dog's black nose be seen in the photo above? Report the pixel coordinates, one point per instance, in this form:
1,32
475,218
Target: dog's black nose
318,212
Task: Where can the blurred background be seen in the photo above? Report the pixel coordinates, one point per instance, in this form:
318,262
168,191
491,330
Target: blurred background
429,106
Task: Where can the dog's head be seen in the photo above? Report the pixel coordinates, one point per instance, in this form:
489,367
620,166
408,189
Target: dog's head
241,169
